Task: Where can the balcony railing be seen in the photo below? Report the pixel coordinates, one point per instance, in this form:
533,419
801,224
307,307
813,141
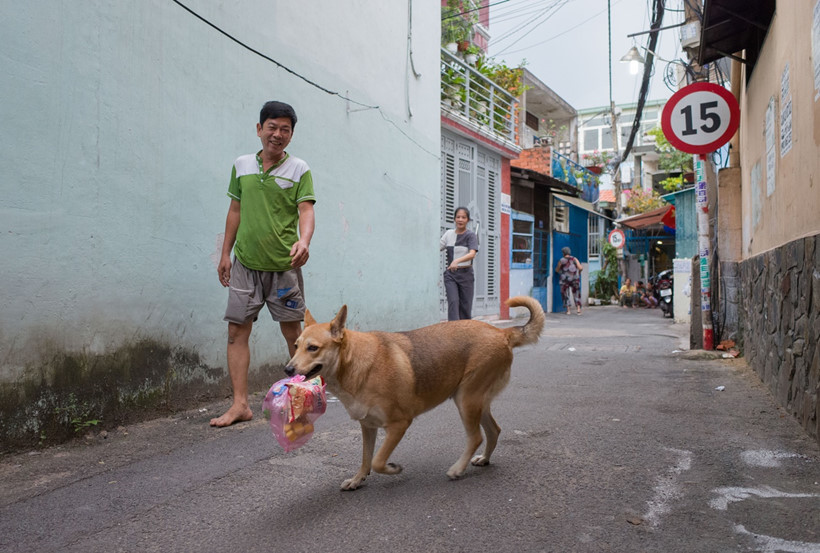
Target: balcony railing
564,169
476,100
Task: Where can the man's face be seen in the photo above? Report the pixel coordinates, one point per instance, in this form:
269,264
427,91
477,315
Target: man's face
275,135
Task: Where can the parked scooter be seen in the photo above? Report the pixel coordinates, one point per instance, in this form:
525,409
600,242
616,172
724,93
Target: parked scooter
664,290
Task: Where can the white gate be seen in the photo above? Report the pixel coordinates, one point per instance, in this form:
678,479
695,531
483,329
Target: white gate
471,177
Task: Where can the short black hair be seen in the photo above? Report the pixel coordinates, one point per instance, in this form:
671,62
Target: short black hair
464,209
275,110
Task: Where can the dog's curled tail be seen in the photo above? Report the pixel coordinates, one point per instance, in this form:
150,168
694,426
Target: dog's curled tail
530,332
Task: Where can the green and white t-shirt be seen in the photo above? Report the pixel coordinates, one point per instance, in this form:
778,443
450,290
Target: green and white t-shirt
269,213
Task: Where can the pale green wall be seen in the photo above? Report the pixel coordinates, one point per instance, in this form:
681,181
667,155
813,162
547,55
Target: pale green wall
120,122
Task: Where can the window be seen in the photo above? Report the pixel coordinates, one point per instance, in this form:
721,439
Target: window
532,121
595,236
561,217
590,140
521,241
606,139
625,133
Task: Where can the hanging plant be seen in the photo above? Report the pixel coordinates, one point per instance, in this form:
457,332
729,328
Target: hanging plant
510,79
457,22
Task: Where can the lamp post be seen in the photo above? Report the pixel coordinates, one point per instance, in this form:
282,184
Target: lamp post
634,59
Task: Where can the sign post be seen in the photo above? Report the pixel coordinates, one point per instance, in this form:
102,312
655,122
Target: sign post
699,119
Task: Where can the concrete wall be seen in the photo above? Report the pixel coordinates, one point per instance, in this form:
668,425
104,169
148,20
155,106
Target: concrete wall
781,209
120,124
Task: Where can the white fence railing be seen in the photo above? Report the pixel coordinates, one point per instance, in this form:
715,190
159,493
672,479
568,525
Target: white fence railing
468,94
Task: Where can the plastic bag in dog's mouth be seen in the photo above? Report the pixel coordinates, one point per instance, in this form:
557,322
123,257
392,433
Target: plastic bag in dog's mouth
292,405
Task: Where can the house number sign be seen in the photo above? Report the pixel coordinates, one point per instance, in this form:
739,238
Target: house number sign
700,118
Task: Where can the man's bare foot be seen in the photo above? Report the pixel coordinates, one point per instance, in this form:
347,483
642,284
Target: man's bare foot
233,415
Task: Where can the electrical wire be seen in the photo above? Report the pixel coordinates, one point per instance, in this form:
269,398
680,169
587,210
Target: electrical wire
546,17
533,23
316,85
562,33
657,18
520,9
473,10
260,54
504,14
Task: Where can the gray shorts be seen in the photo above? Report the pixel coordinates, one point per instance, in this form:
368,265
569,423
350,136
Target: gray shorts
250,290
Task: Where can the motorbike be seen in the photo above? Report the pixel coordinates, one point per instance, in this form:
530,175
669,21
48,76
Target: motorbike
663,286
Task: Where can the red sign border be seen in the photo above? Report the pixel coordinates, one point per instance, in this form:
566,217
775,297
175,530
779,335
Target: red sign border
734,118
616,231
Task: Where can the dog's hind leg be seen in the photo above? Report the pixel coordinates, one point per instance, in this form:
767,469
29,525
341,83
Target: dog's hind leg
471,415
394,434
492,430
368,445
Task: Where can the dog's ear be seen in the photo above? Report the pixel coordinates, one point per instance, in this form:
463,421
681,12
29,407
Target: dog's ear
337,326
309,320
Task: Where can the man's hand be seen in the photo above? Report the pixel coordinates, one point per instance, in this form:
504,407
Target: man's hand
224,270
299,254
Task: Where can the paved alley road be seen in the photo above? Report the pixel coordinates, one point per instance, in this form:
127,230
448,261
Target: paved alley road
613,440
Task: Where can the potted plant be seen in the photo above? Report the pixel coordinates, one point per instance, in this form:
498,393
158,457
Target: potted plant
596,161
453,91
456,25
471,54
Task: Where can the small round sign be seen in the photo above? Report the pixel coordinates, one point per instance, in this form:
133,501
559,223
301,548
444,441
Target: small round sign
700,118
616,238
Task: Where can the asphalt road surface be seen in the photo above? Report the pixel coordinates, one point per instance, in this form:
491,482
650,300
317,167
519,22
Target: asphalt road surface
613,440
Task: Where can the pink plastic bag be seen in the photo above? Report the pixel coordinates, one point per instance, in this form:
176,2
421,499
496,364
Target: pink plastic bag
292,405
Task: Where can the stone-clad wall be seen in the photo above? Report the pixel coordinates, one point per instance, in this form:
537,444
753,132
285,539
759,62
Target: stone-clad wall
780,324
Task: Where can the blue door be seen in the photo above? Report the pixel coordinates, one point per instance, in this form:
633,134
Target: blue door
575,239
540,266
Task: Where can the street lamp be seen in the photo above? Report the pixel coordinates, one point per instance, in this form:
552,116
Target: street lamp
635,60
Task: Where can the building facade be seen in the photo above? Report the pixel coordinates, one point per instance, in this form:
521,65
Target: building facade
120,125
767,240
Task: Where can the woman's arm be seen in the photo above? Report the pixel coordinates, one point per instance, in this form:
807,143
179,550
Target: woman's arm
467,257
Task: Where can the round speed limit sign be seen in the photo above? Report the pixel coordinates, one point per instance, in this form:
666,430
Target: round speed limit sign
700,118
616,238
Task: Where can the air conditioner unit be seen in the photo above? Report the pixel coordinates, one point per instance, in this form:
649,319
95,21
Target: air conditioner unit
690,35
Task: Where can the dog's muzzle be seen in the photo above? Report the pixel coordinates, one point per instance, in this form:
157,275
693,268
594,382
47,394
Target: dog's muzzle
314,371
290,370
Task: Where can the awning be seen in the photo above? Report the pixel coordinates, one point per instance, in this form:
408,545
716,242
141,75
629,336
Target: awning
730,26
541,179
660,216
578,202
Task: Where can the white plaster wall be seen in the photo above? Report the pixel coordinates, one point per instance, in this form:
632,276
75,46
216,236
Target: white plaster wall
520,285
120,125
682,290
776,213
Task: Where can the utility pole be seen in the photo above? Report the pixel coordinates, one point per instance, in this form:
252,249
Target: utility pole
702,208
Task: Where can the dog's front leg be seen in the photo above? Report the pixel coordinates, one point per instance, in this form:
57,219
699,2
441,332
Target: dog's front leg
368,445
394,434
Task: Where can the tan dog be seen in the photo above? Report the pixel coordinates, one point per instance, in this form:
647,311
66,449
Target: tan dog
386,379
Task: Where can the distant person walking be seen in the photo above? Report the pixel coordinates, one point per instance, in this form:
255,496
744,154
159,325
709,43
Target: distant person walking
569,272
460,245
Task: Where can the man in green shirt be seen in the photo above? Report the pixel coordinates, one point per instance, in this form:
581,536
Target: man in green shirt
269,227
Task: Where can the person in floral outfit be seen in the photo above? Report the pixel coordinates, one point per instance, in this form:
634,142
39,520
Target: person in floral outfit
569,271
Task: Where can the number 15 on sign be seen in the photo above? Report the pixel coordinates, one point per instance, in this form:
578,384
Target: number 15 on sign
700,118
